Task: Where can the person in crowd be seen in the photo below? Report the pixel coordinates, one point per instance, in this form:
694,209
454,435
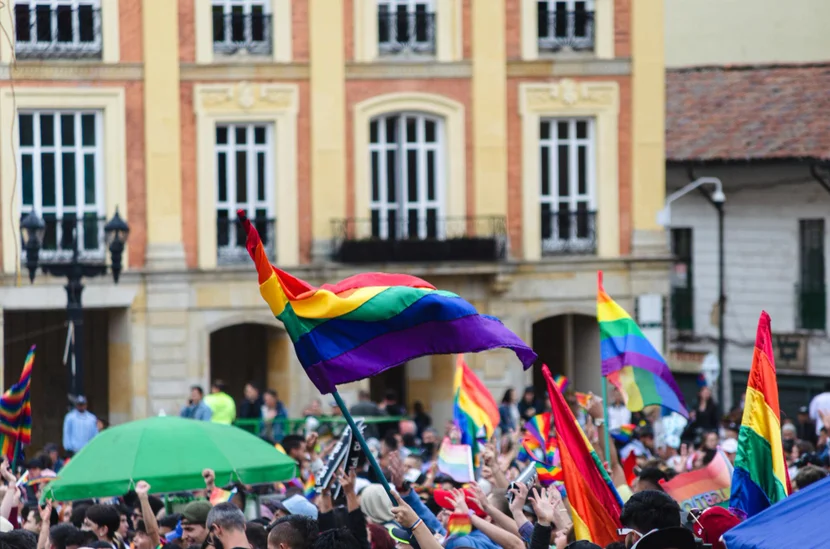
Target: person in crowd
18,539
196,407
618,414
102,424
79,426
807,475
256,535
646,511
194,520
804,426
33,520
649,479
368,409
103,521
705,415
420,417
293,532
63,536
226,527
528,406
251,405
391,407
508,412
221,404
273,414
53,453
730,449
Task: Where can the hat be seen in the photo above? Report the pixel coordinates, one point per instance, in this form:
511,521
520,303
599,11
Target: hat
402,536
676,537
444,499
730,446
712,524
803,410
80,399
196,512
298,505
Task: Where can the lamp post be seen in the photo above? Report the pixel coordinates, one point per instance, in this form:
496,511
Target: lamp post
75,270
717,199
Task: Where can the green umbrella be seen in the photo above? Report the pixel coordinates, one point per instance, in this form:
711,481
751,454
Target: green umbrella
169,453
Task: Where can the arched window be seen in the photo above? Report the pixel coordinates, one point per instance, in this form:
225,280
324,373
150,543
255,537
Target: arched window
406,171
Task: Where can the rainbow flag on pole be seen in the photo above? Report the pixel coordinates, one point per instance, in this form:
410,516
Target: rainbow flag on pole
631,363
219,495
595,503
456,461
16,413
474,410
706,487
760,477
371,322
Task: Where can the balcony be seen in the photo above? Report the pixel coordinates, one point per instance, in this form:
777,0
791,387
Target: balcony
62,32
482,238
241,33
230,240
811,312
59,238
566,30
402,32
568,233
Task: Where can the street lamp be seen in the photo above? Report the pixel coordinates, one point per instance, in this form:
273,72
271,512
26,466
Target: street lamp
717,199
33,230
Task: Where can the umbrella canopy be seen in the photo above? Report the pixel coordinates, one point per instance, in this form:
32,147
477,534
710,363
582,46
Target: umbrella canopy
169,453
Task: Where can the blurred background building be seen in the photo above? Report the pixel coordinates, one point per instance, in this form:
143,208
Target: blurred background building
502,149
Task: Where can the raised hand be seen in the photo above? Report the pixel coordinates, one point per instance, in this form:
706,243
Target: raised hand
479,496
403,513
142,488
519,498
543,507
459,502
347,482
209,476
46,512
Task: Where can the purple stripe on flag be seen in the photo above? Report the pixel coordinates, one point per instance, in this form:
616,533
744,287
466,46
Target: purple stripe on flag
636,360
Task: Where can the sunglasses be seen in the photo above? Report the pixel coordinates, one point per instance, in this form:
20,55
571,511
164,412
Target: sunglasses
626,531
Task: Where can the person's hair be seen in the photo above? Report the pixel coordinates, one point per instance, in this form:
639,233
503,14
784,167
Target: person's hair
616,545
198,389
418,407
380,537
36,462
18,539
253,386
649,510
296,531
104,422
105,515
336,538
805,447
391,442
79,513
808,475
83,538
100,545
271,392
363,394
226,515
170,521
54,518
652,475
257,537
219,384
392,395
292,442
506,399
61,534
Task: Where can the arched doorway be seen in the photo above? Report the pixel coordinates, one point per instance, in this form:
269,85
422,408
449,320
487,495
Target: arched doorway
569,345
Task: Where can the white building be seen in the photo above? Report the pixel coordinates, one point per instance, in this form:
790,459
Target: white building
757,118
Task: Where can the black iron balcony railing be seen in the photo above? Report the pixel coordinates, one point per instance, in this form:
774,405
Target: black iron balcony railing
241,32
230,240
58,241
406,32
567,232
64,32
566,30
811,312
481,238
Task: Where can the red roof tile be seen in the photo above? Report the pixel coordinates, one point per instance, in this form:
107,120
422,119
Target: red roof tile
746,113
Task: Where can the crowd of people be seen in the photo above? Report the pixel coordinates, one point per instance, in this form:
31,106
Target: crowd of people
494,511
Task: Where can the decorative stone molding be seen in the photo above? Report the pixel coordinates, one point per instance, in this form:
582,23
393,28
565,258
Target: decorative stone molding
246,97
569,94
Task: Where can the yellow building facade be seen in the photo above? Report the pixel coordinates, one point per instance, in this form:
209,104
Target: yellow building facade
500,149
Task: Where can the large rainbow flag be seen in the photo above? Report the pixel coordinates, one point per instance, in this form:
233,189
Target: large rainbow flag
474,410
595,503
371,322
760,477
631,363
16,413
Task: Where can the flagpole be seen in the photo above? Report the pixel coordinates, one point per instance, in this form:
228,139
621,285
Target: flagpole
605,415
363,445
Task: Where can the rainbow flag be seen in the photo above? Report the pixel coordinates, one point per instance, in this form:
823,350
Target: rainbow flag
631,363
537,432
561,382
308,488
459,524
456,461
371,322
218,496
474,410
595,504
706,487
624,433
760,477
16,413
550,471
583,399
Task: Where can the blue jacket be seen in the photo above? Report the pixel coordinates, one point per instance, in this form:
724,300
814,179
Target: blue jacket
199,411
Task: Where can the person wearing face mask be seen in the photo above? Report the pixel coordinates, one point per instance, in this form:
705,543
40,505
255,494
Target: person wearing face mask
647,511
226,527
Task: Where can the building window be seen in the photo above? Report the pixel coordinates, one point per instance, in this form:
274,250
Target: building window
566,24
568,186
57,28
406,26
61,178
811,291
405,152
682,292
241,26
244,172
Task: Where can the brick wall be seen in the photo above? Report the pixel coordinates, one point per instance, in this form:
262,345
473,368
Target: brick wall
129,32
622,28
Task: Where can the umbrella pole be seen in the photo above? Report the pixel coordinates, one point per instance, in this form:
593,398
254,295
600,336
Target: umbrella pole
363,446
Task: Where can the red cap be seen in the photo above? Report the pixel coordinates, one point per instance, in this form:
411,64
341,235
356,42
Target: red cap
713,523
444,499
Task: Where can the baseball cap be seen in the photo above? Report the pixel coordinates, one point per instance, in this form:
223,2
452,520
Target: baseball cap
402,536
196,512
712,524
803,410
444,499
730,446
298,505
80,399
676,537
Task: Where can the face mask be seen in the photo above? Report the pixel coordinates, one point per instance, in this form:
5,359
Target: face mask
429,448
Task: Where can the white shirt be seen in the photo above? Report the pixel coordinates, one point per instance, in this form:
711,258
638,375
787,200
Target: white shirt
819,402
618,415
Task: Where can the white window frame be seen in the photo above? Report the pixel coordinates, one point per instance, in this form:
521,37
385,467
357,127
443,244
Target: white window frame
230,252
53,45
247,9
570,242
81,208
402,205
576,42
413,46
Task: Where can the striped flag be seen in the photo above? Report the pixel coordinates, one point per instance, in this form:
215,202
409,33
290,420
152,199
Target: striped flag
760,477
16,413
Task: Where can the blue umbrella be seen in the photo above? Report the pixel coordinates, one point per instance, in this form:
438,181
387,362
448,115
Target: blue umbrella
798,521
